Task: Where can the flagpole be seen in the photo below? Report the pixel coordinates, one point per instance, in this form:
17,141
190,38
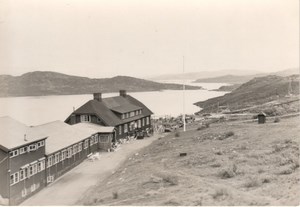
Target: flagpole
183,116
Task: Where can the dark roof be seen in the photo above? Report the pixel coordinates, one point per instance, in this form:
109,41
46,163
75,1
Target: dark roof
104,109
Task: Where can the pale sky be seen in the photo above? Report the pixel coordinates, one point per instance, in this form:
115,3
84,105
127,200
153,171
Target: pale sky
104,38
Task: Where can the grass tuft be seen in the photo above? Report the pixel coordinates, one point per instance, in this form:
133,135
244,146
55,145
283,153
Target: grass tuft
115,195
221,192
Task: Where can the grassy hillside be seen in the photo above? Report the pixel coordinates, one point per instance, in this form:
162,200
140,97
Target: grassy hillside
227,79
226,164
254,92
51,83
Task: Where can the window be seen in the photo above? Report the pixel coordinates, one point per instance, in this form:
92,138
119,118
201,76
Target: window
23,173
41,165
139,123
23,150
127,115
143,122
70,152
24,192
86,142
123,116
132,114
56,158
140,111
14,178
49,161
120,130
14,153
96,138
125,128
40,144
147,120
32,147
92,141
33,187
34,168
75,149
80,147
98,120
85,118
63,155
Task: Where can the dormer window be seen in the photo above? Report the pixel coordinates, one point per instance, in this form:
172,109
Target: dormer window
85,118
123,116
132,114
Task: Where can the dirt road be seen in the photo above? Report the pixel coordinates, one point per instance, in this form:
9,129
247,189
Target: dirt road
71,186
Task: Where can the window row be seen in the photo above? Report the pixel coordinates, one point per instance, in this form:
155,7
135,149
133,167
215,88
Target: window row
26,149
27,171
140,123
70,151
131,114
85,118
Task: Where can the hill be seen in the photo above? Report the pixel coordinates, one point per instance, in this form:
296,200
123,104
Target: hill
238,79
256,91
228,88
202,74
52,83
226,164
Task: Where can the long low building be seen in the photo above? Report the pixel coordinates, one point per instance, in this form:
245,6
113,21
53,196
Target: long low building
33,157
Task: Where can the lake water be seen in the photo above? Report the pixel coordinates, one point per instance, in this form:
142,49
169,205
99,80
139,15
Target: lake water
36,110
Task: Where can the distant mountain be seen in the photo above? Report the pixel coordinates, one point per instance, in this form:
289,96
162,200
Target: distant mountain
233,79
52,83
256,91
203,74
228,87
223,76
227,79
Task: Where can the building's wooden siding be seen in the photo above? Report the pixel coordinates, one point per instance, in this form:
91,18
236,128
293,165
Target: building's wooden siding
4,174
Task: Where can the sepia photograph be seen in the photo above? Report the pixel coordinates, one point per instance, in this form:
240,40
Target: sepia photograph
149,103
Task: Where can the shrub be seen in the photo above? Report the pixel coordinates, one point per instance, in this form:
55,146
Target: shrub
221,192
215,164
226,173
177,134
252,182
229,134
266,180
115,195
207,125
172,180
276,120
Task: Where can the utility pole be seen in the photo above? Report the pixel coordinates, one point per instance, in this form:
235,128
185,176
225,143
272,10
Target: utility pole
183,116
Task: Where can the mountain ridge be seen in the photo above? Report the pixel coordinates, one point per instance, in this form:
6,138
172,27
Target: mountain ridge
39,83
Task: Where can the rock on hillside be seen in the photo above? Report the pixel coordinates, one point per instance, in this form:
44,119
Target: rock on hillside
52,83
256,91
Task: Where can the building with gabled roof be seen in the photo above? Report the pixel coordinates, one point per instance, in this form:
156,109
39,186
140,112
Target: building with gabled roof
33,157
125,113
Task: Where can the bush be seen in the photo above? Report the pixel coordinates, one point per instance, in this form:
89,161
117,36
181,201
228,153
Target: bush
115,195
226,173
207,125
177,134
276,120
221,192
252,182
229,134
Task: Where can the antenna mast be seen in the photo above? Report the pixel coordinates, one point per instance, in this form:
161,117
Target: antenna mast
183,116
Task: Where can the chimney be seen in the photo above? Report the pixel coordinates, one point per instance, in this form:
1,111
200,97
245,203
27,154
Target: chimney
123,93
98,96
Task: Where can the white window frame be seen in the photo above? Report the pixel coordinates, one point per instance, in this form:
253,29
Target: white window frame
24,192
23,172
32,147
125,128
103,138
70,152
49,161
14,178
92,141
139,123
63,155
85,118
147,120
96,138
120,129
33,187
41,165
132,114
75,149
14,153
56,158
80,147
86,144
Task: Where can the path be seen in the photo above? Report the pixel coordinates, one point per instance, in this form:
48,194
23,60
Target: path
71,186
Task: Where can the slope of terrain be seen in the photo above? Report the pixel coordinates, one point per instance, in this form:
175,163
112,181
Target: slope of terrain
228,87
51,83
254,92
229,163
